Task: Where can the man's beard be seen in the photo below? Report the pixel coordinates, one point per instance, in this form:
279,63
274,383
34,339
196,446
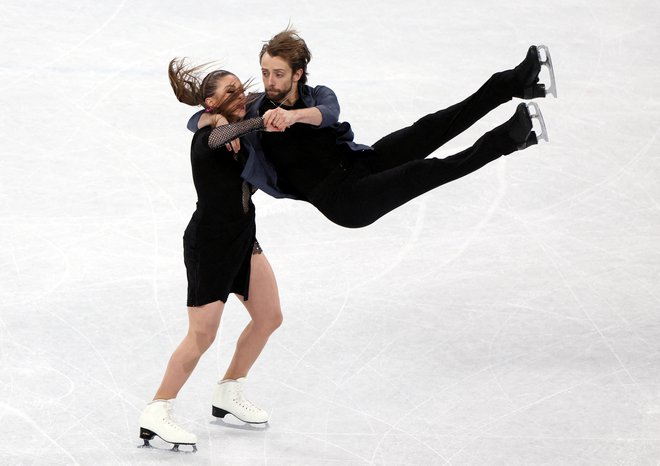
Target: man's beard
280,96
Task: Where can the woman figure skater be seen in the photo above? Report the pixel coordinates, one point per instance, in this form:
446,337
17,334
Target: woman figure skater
353,185
221,256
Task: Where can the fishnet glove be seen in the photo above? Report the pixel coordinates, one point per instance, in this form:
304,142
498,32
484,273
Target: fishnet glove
221,135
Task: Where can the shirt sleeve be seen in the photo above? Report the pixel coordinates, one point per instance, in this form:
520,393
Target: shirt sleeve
194,121
327,103
221,135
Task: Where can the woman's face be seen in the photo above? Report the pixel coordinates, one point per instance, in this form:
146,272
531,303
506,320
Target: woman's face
230,87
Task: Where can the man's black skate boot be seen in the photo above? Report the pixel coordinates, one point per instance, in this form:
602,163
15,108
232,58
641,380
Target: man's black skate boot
519,128
526,75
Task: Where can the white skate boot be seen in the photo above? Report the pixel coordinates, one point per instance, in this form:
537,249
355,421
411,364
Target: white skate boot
156,419
228,398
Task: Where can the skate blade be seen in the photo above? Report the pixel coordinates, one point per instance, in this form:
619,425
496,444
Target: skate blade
535,114
546,60
175,447
221,413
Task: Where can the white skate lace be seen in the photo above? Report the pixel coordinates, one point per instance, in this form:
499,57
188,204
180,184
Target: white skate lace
243,402
169,420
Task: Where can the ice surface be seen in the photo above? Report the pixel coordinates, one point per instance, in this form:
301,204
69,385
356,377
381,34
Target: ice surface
511,317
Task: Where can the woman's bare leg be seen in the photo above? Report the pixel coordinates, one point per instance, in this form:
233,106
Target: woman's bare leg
203,323
263,305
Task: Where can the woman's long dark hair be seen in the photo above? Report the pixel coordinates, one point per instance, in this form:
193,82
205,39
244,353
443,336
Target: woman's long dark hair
190,89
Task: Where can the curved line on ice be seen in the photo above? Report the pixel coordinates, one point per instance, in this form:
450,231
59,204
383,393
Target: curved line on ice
36,427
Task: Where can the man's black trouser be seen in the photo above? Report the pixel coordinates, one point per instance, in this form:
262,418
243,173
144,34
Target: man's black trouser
397,170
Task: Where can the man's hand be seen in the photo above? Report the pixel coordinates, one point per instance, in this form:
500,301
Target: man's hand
279,118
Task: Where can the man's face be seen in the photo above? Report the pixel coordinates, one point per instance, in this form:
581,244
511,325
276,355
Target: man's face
278,77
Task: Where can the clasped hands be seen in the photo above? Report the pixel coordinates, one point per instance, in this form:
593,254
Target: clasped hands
275,120
278,119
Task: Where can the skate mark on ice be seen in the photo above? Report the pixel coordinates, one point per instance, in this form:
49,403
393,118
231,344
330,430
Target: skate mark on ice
37,428
70,51
476,375
492,208
491,364
365,414
147,182
476,230
131,161
525,407
404,251
607,181
115,389
393,427
550,254
43,253
347,294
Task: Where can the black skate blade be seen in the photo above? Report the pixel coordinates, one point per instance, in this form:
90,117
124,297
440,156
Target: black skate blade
546,60
146,444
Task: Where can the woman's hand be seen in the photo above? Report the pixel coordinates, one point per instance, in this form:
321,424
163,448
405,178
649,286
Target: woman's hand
218,120
234,145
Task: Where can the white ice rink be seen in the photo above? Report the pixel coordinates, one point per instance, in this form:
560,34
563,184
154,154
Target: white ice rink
509,318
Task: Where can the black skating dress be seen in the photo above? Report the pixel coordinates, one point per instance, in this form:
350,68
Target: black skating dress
221,236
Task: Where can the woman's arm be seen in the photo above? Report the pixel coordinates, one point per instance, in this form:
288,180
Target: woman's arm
223,134
201,119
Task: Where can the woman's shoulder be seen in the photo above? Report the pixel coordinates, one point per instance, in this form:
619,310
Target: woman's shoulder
200,142
201,136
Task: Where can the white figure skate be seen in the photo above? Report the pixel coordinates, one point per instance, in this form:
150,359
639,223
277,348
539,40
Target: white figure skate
156,420
228,398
